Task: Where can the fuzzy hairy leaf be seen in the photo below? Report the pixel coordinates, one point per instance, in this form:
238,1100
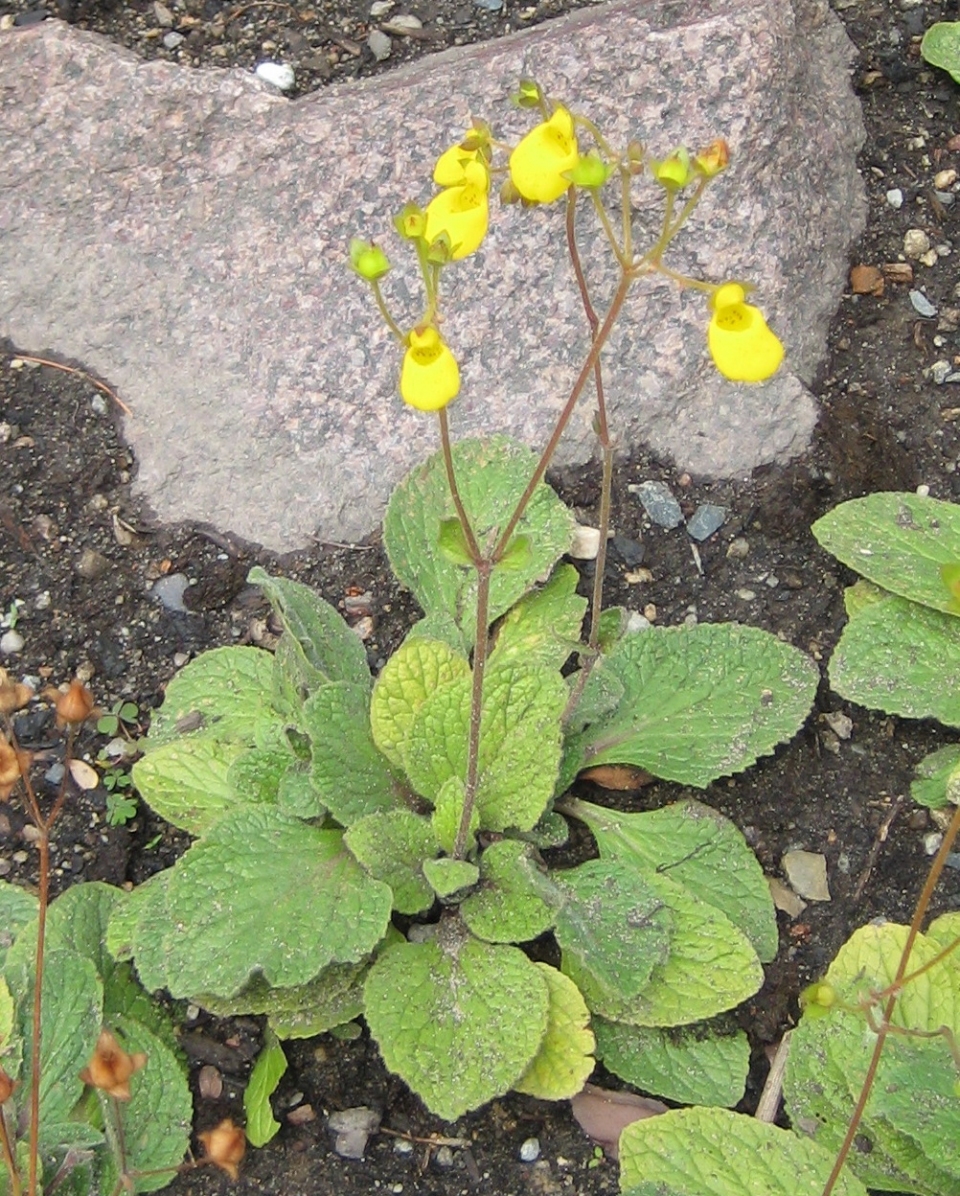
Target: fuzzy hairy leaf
544,626
491,475
261,892
565,1060
17,909
508,906
267,1073
699,702
448,876
693,1066
351,776
324,647
901,658
698,848
393,847
898,541
936,775
713,1152
187,782
458,1021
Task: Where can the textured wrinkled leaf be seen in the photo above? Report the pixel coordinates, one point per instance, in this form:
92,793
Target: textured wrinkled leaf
507,906
491,476
543,628
447,812
933,777
417,669
448,876
351,776
261,892
17,909
157,1118
255,776
520,742
901,658
393,847
303,1010
267,1073
917,1094
829,1057
700,702
296,794
220,693
565,1060
458,1021
325,647
439,626
713,1152
898,541
693,1066
941,46
72,1012
698,848
7,1012
187,781
711,967
614,925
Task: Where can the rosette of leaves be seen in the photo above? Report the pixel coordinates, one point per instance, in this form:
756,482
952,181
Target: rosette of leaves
326,805
900,649
84,991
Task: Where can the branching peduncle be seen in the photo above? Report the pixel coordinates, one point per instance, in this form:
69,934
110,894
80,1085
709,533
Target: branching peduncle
919,913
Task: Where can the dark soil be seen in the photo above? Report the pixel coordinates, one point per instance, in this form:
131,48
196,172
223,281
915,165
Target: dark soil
78,557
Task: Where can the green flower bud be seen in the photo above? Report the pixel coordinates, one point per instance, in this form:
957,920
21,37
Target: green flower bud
369,260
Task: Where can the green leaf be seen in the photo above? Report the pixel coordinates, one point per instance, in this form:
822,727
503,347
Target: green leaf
351,776
693,1066
261,892
302,1010
267,1073
934,775
7,1013
220,693
17,909
491,476
897,541
448,876
325,648
452,542
158,1116
700,702
543,628
713,1152
613,926
508,906
188,782
416,670
698,848
255,776
901,658
520,742
457,1019
393,847
72,1011
565,1060
447,812
861,595
941,47
829,1057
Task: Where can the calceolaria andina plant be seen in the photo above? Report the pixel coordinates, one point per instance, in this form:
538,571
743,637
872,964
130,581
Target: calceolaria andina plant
381,847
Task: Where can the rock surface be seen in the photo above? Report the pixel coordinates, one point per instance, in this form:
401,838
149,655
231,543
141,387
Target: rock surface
182,234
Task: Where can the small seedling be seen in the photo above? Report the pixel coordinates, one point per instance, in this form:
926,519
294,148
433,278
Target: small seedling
122,716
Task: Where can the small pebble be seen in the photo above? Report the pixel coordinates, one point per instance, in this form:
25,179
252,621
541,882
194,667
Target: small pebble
659,503
931,843
947,198
953,860
636,622
92,564
530,1150
352,1128
915,242
379,44
380,8
11,642
631,552
301,1115
489,5
173,39
807,873
944,179
895,198
402,24
98,404
922,305
940,371
746,595
209,1082
170,589
586,543
738,549
444,1157
162,15
705,520
34,17
923,490
402,1146
279,74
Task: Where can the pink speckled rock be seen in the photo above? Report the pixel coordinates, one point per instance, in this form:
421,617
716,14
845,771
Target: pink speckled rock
183,235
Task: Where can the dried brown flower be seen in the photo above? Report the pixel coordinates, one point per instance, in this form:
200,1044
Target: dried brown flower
225,1145
111,1067
13,694
6,1086
74,704
11,767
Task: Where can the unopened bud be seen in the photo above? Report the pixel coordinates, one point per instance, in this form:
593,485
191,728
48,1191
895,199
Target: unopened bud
590,171
635,157
713,159
111,1067
369,260
673,172
410,222
527,94
225,1146
73,705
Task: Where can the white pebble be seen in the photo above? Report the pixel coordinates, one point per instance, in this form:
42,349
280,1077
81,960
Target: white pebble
11,642
931,842
923,490
380,8
173,39
379,44
586,543
530,1150
746,595
279,74
915,242
895,198
944,179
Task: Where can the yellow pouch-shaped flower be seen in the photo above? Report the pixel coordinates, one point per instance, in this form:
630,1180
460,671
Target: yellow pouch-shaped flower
430,376
462,212
538,163
741,344
450,170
